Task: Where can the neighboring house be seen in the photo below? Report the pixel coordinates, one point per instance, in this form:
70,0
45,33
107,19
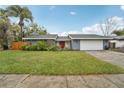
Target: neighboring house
117,42
73,41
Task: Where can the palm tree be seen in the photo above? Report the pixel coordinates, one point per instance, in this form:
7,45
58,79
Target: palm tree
4,25
23,13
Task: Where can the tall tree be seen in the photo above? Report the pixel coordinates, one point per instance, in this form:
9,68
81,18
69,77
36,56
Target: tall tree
15,31
23,13
34,29
4,25
108,26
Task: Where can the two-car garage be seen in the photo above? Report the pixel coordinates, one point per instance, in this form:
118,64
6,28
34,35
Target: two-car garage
91,45
89,42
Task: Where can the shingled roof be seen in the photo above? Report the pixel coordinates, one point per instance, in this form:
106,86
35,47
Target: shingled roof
66,38
63,38
119,37
40,37
88,36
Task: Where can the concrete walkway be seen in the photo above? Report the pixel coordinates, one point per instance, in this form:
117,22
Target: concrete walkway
81,81
112,57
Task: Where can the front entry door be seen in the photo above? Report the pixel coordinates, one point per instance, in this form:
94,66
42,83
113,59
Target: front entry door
62,44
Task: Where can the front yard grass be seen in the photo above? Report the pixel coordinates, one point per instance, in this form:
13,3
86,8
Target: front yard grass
54,63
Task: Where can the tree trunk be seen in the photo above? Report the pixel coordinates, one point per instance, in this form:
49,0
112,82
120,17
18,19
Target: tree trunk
5,42
21,24
14,34
1,44
21,32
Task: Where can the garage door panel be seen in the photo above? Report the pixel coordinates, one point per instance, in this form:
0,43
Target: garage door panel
91,44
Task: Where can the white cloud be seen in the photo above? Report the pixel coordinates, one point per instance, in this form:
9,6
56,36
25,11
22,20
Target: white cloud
52,7
75,32
122,7
67,32
72,13
118,20
70,32
95,29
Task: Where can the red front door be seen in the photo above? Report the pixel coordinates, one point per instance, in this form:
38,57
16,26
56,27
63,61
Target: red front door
62,44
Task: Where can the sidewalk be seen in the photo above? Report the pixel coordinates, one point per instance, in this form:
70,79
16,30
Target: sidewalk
80,81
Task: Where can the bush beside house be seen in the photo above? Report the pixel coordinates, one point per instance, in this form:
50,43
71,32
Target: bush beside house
40,46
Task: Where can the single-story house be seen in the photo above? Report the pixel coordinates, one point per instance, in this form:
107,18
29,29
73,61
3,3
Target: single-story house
117,42
74,41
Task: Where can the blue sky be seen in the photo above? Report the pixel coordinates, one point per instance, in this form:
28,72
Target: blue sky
72,18
61,19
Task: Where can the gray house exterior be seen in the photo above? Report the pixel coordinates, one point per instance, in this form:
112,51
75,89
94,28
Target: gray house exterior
75,44
73,41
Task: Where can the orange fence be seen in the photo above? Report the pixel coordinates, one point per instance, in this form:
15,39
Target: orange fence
18,45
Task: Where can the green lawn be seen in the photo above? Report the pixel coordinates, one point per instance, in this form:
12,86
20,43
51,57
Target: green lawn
54,63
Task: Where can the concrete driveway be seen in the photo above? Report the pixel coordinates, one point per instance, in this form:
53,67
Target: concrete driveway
112,57
80,81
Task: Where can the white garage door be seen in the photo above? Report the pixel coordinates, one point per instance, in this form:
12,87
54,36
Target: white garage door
91,44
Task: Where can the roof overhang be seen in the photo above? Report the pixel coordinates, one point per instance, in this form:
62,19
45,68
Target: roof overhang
64,40
113,41
92,38
38,38
118,38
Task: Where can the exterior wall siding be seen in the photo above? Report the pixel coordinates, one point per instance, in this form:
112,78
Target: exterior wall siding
119,44
67,44
33,42
51,42
75,44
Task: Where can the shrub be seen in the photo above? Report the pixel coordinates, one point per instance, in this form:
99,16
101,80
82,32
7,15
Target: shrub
53,48
23,47
42,45
33,47
39,46
26,47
